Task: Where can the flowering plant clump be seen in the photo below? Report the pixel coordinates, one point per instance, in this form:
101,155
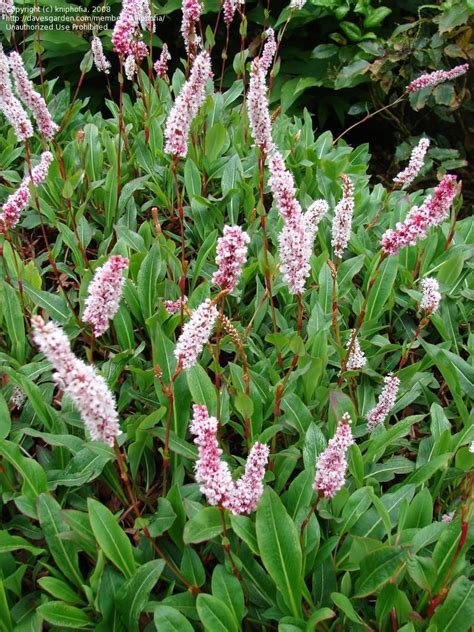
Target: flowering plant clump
235,384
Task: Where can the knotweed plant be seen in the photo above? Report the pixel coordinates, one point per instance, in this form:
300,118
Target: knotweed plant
235,385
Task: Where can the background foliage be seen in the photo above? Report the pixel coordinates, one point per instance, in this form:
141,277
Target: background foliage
72,554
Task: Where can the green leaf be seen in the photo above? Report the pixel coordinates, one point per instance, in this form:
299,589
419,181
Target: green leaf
5,419
110,537
60,614
54,304
344,604
14,321
168,619
134,594
54,528
279,545
201,388
192,178
382,288
205,525
379,567
9,543
215,139
457,612
163,518
215,615
33,475
60,590
228,589
147,281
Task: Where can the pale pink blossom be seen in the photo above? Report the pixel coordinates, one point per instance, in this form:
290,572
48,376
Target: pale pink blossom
186,107
432,212
161,66
296,5
357,359
434,78
9,104
173,307
129,67
294,250
126,30
314,215
19,200
415,164
385,402
7,7
191,10
213,474
31,98
39,173
231,257
195,334
101,62
342,222
104,294
258,108
331,465
229,7
283,188
471,447
431,295
447,517
17,398
269,50
86,388
248,489
15,204
296,239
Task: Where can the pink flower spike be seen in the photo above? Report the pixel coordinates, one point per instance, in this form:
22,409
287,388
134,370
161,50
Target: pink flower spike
40,172
196,334
213,474
241,496
32,99
331,465
191,13
15,204
129,67
9,104
104,294
258,108
7,7
125,26
173,307
283,188
161,66
342,222
186,107
385,403
231,257
357,359
434,78
431,296
101,62
296,5
249,488
415,164
447,517
229,7
432,212
87,389
269,50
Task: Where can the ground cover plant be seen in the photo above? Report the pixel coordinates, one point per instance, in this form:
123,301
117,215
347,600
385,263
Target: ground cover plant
235,375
